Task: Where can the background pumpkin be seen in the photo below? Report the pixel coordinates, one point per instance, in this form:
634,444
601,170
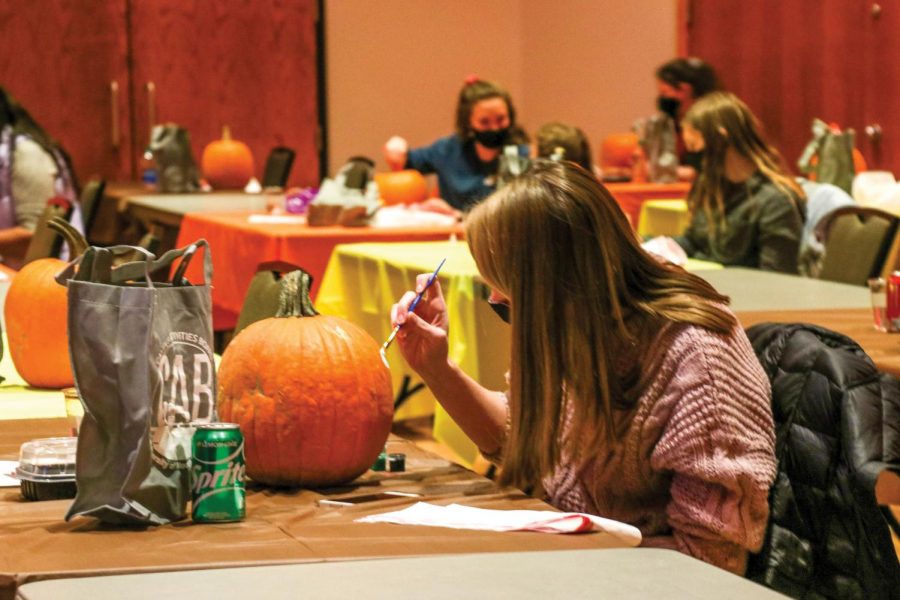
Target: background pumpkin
309,391
401,187
35,314
227,163
617,149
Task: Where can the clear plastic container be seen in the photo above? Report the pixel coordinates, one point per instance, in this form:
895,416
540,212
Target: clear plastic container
47,468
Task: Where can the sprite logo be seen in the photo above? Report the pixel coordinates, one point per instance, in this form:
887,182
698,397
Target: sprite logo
217,475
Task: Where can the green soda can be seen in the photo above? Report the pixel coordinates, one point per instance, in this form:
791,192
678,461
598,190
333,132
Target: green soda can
217,474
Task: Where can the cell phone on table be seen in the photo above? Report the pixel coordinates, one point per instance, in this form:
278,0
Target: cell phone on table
351,500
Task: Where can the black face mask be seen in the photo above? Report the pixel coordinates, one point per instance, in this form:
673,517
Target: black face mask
669,106
492,138
501,309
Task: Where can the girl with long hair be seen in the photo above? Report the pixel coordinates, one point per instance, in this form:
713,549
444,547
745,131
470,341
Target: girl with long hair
634,394
467,161
745,208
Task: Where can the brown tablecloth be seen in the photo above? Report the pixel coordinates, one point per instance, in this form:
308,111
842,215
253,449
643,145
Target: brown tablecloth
282,526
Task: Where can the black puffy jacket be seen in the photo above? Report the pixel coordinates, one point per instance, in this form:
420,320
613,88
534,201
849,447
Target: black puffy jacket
838,427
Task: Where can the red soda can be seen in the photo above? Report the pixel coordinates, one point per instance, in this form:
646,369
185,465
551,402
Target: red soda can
893,302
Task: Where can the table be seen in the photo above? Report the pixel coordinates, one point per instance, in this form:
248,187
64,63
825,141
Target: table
161,214
752,289
631,196
282,525
663,217
361,283
238,248
18,400
626,574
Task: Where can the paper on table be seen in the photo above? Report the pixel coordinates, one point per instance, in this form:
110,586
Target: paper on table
458,516
277,219
666,248
7,473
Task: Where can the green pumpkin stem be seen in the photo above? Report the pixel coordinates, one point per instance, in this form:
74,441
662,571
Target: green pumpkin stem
294,298
76,240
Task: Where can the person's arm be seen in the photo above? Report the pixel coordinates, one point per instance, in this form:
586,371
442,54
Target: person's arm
718,445
780,231
690,240
481,413
396,151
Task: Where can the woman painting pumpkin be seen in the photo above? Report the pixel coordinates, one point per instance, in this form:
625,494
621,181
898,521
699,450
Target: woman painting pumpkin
634,393
466,162
745,209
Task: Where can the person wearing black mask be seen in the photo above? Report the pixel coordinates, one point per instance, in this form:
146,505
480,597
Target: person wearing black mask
465,162
679,83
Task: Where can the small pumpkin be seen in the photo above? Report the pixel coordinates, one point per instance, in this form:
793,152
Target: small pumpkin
617,149
227,163
401,187
36,321
309,391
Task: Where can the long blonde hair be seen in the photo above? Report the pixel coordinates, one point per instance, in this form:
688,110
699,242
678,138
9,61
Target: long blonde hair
581,291
725,121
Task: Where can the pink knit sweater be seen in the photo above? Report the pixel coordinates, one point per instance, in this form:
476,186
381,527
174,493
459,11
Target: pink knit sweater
694,467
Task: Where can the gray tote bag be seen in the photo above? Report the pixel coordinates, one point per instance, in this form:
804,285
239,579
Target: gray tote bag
142,356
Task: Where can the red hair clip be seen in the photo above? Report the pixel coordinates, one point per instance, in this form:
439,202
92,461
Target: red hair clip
471,78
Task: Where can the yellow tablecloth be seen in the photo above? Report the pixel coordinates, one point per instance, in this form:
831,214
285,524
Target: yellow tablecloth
19,401
361,283
663,217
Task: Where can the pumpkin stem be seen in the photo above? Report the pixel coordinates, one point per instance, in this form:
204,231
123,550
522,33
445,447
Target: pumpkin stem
294,298
76,240
226,133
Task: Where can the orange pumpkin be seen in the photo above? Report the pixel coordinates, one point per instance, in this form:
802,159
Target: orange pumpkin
227,163
310,394
36,327
617,149
401,187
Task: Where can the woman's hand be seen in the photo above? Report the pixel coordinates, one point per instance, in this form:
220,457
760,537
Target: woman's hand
396,150
423,337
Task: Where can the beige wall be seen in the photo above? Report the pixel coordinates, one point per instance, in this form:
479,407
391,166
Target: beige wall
396,66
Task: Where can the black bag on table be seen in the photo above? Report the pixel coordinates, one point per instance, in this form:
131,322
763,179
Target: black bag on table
142,358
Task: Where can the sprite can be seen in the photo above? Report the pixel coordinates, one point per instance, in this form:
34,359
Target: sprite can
217,474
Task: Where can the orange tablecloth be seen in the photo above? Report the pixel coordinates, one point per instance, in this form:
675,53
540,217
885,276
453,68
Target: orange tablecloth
239,246
630,196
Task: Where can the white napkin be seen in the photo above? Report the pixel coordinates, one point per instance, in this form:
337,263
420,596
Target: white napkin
403,216
8,473
666,248
458,516
277,219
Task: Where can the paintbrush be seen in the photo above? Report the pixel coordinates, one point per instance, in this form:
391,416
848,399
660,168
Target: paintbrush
412,308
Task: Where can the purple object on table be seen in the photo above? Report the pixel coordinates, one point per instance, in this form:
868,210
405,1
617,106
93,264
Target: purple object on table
297,202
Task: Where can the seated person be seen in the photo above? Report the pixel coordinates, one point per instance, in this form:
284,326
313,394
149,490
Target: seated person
466,162
33,169
561,141
681,82
634,392
745,209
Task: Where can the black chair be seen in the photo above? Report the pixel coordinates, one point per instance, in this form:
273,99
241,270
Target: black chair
278,167
90,198
45,242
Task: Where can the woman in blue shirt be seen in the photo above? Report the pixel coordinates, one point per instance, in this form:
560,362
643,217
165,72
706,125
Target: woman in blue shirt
465,162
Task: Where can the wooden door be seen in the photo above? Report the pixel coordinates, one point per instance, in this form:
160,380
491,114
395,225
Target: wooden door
60,59
248,64
789,60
